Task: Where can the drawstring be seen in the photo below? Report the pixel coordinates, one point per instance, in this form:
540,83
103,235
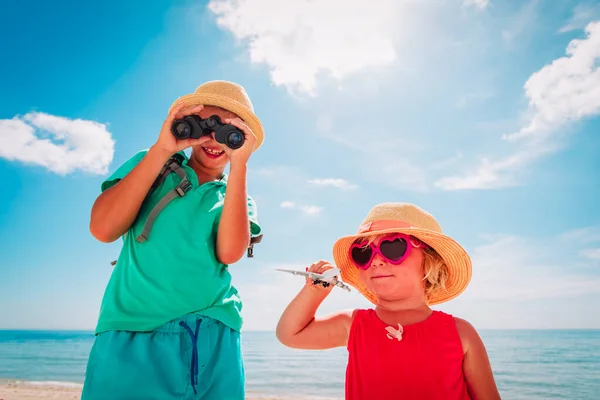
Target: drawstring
194,366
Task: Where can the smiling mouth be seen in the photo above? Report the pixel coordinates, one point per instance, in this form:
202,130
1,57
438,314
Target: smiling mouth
213,153
381,276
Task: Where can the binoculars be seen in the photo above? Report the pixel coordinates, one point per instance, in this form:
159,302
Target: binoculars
194,127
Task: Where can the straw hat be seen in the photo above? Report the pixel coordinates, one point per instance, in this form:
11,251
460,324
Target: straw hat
229,96
411,220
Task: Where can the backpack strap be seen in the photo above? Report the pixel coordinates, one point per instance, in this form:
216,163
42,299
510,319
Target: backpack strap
184,186
166,170
253,241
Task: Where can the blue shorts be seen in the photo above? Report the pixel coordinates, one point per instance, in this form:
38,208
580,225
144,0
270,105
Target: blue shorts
194,357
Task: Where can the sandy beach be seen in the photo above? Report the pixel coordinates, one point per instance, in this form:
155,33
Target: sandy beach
19,390
16,390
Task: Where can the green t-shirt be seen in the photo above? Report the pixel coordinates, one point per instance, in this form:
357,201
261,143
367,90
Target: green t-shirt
176,271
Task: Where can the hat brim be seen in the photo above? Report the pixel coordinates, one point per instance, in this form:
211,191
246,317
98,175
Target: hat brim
228,104
455,257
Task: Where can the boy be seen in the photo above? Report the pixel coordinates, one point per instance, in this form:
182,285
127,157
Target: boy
169,324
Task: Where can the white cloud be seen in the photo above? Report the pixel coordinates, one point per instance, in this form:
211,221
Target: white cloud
476,97
288,204
583,235
311,210
481,4
392,166
582,15
519,27
335,182
59,144
530,283
517,269
287,182
565,91
489,174
299,40
592,254
306,209
324,124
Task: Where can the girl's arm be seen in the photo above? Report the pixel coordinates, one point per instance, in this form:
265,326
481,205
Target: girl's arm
476,364
299,328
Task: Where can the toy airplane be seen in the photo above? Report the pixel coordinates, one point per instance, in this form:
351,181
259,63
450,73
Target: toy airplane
327,278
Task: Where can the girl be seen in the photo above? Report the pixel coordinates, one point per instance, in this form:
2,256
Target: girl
402,262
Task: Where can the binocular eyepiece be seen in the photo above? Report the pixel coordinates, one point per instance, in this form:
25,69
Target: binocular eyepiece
194,127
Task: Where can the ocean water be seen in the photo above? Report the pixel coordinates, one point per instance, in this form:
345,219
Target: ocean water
534,365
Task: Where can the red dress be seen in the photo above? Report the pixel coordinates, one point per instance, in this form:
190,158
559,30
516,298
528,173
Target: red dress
425,364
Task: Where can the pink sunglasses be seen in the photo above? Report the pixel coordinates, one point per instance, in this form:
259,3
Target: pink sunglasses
394,249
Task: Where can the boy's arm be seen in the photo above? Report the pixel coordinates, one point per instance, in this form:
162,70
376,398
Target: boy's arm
233,235
116,208
476,365
299,328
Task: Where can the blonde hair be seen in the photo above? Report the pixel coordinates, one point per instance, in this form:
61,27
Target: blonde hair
434,267
436,272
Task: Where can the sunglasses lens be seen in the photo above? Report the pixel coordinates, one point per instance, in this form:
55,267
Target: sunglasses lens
361,255
393,249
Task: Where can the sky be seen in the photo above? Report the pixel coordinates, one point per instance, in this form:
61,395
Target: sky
485,113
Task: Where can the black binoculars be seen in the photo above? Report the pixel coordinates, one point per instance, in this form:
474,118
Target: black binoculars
194,127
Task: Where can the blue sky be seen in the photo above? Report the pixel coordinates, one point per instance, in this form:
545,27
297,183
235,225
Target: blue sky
485,113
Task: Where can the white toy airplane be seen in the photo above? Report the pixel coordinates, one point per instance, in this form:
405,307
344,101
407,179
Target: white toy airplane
327,278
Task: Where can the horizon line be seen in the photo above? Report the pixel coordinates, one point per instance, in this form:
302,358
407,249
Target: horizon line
273,330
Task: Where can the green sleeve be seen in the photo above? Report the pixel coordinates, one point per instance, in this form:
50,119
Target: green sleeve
123,170
255,228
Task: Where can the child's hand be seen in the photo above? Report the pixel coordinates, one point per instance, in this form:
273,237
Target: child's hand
240,156
319,268
167,142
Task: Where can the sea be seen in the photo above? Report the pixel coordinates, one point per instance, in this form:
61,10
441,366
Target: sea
527,364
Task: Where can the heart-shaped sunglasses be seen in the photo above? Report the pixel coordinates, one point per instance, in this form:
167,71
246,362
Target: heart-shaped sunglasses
394,249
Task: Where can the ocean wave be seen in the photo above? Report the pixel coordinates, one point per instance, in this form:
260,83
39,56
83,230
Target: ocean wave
68,385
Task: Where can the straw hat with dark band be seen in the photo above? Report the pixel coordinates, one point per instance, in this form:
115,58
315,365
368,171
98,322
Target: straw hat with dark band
411,220
229,96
